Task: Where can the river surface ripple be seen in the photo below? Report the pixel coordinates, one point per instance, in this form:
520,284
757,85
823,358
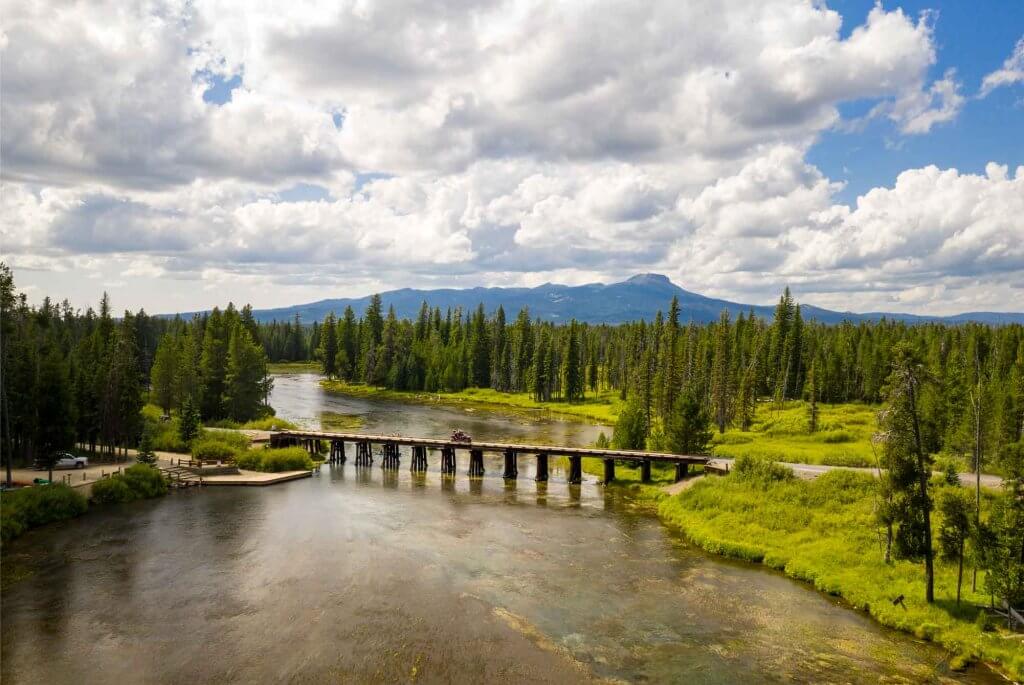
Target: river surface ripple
365,576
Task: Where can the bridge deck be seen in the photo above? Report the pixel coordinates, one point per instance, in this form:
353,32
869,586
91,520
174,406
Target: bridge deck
553,450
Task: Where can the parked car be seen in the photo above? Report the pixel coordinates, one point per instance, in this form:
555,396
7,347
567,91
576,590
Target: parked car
66,460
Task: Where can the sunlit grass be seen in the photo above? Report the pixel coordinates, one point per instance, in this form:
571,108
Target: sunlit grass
601,407
843,437
293,367
823,531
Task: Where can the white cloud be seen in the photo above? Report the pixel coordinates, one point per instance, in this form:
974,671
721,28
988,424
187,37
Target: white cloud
479,142
1012,72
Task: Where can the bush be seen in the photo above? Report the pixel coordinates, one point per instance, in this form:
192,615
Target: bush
209,450
21,510
220,445
762,470
275,460
110,490
137,482
163,435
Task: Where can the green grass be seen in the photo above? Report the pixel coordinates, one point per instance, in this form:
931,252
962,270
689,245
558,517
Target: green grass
275,460
822,531
262,424
843,437
600,408
27,508
336,421
293,367
220,445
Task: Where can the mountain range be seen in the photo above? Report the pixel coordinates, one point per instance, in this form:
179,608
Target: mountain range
639,297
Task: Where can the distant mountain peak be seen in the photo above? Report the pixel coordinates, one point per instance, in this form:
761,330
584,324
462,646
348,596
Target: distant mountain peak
639,297
651,279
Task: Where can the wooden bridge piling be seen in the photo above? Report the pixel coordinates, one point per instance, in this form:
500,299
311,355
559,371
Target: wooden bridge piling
681,470
364,455
542,467
448,460
575,470
390,457
511,465
609,470
419,458
337,452
645,472
476,463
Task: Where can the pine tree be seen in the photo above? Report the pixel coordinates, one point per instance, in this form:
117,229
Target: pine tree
631,426
348,345
189,424
213,366
246,369
721,379
812,398
907,463
686,430
481,352
956,511
572,366
329,347
164,374
145,453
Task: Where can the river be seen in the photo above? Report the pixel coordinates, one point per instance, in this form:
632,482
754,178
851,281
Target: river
372,577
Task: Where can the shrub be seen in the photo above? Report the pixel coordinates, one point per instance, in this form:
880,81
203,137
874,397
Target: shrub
276,460
163,435
110,490
209,450
28,508
137,482
762,470
220,445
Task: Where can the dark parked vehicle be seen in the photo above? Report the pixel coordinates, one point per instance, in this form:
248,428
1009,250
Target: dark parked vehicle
460,436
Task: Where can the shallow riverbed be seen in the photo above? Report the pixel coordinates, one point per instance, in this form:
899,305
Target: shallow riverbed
365,576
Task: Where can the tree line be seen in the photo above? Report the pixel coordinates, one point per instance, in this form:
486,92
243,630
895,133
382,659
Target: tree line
974,406
71,377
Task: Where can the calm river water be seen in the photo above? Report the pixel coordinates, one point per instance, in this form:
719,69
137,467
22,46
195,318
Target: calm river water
370,577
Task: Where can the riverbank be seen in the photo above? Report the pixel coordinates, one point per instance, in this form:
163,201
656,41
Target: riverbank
823,532
601,408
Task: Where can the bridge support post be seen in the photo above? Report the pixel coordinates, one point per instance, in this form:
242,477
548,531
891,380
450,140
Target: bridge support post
476,462
511,465
448,460
364,454
337,452
419,458
609,470
391,459
575,470
681,469
542,466
645,471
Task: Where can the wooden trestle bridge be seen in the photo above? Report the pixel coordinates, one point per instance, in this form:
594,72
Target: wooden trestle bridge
390,459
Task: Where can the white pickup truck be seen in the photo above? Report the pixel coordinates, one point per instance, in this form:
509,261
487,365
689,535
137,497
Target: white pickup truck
66,460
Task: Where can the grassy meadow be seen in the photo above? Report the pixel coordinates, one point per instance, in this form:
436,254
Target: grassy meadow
600,408
843,437
823,531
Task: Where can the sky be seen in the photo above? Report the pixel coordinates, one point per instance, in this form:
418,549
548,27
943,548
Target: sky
182,154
